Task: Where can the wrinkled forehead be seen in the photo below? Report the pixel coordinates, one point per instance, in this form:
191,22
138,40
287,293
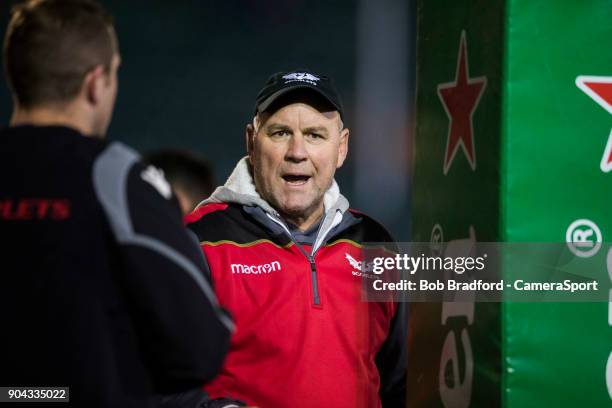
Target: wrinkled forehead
305,98
287,117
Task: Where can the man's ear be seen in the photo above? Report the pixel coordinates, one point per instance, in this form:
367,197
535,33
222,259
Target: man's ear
343,148
94,83
249,135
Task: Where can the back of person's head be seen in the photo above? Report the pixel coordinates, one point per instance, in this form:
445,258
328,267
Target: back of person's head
51,45
190,176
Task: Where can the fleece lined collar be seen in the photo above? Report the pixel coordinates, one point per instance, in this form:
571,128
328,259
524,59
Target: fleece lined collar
240,189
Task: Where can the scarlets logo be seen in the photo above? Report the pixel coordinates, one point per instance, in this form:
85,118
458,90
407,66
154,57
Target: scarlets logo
302,77
34,209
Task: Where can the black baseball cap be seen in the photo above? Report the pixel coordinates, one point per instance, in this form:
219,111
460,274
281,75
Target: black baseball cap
282,83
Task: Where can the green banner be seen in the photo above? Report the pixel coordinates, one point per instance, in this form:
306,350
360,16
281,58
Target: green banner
513,144
556,186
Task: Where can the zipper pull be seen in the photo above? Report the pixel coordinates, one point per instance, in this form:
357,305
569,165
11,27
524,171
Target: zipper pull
315,281
312,263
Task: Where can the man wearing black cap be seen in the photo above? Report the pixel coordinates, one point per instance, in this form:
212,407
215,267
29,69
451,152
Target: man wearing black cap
283,251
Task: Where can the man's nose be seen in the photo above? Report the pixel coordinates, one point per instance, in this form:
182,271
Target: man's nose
296,151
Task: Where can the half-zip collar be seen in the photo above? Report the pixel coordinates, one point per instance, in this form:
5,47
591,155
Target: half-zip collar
240,189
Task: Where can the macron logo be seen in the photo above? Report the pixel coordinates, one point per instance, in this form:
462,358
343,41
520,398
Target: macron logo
256,269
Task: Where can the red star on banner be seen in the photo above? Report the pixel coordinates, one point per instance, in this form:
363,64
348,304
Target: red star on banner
460,99
599,88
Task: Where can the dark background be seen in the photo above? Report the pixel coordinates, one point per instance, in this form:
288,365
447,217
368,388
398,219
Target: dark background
191,71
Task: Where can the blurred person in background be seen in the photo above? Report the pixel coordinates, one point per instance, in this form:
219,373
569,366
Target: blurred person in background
282,248
102,288
190,176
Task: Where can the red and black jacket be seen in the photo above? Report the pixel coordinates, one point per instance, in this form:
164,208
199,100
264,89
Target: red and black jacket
304,337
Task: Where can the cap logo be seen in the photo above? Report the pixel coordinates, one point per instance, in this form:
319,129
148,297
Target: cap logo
301,77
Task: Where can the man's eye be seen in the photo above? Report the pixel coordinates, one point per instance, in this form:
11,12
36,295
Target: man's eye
315,136
280,133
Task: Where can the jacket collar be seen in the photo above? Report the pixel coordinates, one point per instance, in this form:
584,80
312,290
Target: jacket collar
240,189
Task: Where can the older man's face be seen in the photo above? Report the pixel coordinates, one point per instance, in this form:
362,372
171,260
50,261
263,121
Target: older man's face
295,153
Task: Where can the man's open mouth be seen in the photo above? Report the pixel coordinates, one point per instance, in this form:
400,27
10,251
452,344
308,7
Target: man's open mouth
296,179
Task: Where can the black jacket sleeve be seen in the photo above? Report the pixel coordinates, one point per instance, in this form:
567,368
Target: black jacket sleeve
184,334
391,361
